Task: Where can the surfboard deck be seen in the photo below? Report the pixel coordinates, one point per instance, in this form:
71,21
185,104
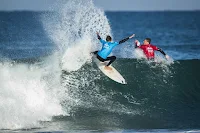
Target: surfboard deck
112,74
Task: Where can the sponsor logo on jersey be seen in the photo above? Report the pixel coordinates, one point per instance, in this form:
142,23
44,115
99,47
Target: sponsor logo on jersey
106,46
150,49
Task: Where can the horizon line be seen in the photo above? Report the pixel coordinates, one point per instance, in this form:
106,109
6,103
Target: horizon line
167,10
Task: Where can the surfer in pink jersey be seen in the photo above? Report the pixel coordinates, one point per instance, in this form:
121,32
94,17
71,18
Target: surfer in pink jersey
149,49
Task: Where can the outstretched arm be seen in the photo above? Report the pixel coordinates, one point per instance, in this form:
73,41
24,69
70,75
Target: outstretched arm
98,36
161,51
101,40
126,39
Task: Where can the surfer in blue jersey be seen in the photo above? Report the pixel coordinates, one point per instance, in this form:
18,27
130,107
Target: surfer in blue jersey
107,47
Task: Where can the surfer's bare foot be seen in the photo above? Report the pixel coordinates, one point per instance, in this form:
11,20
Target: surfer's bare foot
107,68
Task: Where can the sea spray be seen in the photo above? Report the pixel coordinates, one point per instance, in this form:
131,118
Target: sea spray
73,30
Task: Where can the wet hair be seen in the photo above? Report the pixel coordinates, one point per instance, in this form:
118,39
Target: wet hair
108,38
148,40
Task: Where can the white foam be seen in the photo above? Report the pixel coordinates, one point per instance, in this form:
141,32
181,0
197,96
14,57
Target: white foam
139,54
25,97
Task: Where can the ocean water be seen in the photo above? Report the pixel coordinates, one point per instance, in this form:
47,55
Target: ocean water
48,82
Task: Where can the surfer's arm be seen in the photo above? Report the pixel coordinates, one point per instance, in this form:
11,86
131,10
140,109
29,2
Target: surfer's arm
161,51
101,40
126,39
98,36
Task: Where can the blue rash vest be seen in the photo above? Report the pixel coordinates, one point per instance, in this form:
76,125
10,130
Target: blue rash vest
107,48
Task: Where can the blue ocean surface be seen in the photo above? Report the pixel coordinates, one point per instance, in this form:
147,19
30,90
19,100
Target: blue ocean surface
177,33
48,82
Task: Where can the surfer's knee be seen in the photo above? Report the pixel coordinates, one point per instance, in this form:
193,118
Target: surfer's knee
114,57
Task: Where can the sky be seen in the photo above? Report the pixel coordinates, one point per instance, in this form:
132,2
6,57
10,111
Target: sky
107,5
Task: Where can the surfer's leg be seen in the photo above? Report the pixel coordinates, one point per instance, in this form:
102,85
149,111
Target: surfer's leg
112,59
100,59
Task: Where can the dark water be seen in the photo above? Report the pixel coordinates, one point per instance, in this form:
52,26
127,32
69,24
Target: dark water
157,96
164,97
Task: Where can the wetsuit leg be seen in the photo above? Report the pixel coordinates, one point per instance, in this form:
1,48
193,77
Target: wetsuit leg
100,59
111,58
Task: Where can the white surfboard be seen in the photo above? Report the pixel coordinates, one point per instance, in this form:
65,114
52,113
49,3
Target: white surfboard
112,74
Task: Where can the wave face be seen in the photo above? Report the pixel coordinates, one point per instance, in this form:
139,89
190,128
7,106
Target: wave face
164,96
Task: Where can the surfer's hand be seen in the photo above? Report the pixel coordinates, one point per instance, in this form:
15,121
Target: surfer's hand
132,36
167,57
137,42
